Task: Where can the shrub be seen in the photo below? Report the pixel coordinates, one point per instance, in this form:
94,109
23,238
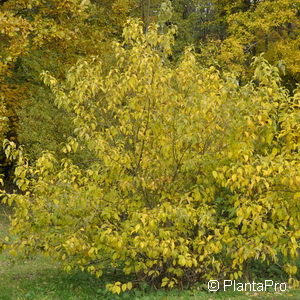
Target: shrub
192,176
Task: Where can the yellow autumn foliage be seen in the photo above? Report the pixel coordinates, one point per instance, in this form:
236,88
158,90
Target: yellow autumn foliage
193,175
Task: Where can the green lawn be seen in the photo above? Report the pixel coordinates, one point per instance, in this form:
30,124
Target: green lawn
42,279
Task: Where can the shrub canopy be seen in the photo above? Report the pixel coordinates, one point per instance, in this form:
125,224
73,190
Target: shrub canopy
192,175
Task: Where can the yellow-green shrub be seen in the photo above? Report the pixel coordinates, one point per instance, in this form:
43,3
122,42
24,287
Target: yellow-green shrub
193,175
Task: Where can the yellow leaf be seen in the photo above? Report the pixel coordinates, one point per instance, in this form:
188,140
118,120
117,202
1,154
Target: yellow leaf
297,195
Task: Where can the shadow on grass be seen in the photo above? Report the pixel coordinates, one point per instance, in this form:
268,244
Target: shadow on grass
42,279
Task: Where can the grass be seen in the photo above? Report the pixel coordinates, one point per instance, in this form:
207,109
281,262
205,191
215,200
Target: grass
42,279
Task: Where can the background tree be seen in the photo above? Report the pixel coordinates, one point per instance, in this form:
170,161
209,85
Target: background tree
14,33
60,33
271,27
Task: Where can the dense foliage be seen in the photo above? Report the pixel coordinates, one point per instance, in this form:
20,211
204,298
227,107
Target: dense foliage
193,176
140,152
39,35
